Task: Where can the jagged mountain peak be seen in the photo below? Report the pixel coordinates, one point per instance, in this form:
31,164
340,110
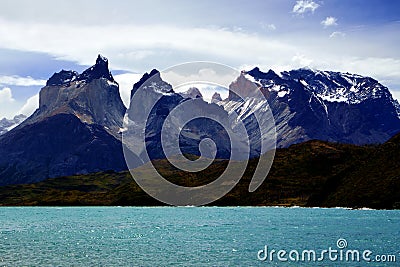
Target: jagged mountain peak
97,71
143,79
152,81
258,74
64,77
101,59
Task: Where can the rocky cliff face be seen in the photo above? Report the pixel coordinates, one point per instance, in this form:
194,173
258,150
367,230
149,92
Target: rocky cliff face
75,129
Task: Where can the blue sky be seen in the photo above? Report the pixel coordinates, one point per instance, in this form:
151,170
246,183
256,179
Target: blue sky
38,38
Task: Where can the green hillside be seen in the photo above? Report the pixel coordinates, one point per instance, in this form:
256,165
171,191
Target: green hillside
313,173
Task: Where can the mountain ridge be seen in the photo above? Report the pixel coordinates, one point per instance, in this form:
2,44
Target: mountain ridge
302,101
332,86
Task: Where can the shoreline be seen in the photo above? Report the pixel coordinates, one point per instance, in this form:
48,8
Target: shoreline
199,207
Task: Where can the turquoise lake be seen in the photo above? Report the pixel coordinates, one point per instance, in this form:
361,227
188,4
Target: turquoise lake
194,236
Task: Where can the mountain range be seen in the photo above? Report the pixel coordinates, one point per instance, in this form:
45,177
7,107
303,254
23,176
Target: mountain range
8,124
78,126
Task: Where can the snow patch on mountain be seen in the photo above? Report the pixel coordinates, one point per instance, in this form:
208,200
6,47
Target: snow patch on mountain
325,105
192,92
327,86
339,87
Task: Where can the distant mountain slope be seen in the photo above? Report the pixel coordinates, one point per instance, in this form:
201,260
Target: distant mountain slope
313,173
56,146
6,125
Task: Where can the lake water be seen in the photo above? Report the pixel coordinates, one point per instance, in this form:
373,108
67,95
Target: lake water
201,236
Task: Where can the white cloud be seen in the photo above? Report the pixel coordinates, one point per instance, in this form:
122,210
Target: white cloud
269,27
147,46
9,106
301,61
329,21
206,90
201,73
126,82
6,96
337,35
30,106
304,6
7,103
118,41
395,94
20,81
380,68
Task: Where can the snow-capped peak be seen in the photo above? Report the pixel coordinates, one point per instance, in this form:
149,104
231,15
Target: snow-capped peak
101,60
